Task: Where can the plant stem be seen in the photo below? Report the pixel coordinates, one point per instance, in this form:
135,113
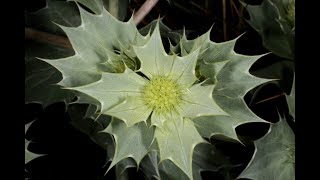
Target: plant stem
47,38
144,10
224,14
113,8
270,98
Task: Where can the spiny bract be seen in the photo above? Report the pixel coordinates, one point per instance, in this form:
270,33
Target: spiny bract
274,156
274,20
156,99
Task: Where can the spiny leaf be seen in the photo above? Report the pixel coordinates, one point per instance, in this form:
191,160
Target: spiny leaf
183,69
229,72
274,157
131,111
121,168
40,78
291,100
87,120
29,156
113,88
186,46
156,62
133,141
200,103
207,157
216,125
209,70
177,141
168,170
154,59
86,99
149,165
61,12
274,21
233,82
94,49
281,70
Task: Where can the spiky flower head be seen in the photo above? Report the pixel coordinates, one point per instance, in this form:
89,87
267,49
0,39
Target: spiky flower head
155,98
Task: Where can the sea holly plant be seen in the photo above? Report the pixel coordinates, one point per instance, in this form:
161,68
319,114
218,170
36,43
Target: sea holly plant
161,105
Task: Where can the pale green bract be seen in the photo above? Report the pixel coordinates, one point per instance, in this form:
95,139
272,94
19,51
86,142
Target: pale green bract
156,99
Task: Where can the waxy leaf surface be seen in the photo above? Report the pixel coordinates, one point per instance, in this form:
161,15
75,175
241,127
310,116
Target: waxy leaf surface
274,156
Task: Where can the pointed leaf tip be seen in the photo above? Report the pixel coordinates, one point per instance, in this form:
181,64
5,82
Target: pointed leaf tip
177,140
134,141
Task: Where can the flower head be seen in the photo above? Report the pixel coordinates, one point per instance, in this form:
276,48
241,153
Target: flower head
162,94
162,101
165,90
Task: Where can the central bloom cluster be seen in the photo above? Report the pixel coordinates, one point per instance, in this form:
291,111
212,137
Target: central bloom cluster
162,94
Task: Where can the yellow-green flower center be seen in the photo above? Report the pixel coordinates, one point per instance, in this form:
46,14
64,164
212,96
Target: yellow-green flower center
291,154
162,94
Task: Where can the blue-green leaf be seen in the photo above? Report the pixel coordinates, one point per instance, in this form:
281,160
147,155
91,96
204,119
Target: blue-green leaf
274,156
